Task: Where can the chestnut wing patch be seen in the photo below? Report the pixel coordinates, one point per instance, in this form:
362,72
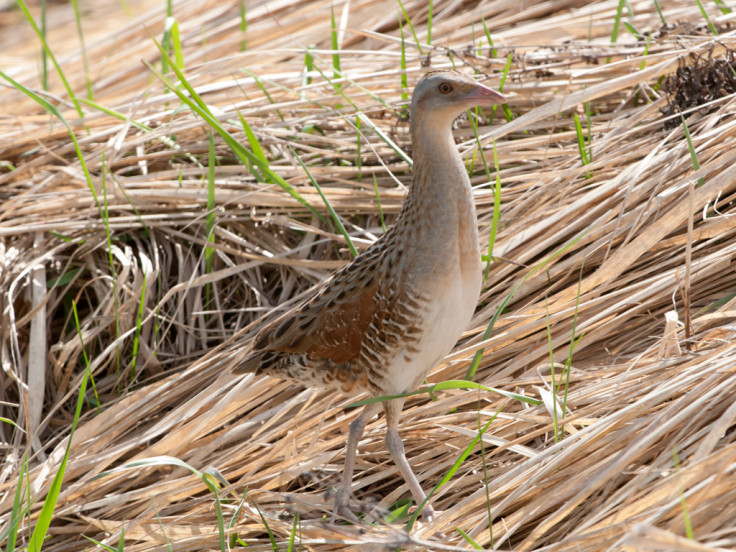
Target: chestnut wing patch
325,327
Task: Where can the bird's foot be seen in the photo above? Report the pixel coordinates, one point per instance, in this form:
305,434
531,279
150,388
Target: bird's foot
347,504
342,506
427,513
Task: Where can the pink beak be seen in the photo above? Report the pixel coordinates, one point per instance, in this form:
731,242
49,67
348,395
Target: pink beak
482,95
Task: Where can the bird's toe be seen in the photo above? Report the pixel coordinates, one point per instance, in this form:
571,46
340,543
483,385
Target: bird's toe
428,513
342,507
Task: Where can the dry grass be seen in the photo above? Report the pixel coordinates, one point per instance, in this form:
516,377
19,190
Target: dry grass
649,442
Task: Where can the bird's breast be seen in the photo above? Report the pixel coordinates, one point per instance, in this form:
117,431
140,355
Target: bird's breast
445,269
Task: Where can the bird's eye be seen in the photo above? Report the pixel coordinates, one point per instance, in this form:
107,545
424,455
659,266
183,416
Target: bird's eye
445,88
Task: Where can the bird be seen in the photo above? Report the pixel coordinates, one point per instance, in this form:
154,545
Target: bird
382,322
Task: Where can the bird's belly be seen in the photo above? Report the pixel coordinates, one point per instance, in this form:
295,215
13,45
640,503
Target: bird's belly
444,322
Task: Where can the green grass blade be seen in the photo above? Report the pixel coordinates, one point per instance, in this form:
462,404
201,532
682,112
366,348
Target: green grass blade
137,334
54,111
308,65
398,512
16,513
335,46
121,540
265,92
209,251
78,19
116,114
468,538
659,11
85,356
725,10
470,374
505,74
505,107
68,275
451,471
166,140
332,212
581,144
255,147
243,25
11,422
496,210
218,511
46,49
102,545
404,82
707,19
429,22
176,43
718,303
49,504
44,55
616,23
494,53
296,523
633,30
234,520
471,162
166,45
271,536
147,463
644,55
194,101
411,28
693,154
169,44
444,386
253,142
210,477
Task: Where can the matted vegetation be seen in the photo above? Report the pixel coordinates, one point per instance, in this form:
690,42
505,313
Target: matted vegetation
145,270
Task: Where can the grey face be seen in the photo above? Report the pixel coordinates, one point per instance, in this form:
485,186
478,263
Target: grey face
450,93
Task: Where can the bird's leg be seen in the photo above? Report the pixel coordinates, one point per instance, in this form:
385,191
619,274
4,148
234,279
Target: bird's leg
343,492
396,448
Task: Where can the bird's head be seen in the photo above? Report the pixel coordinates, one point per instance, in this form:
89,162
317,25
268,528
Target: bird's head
443,95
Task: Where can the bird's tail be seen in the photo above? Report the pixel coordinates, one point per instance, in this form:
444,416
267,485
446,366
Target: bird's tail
252,363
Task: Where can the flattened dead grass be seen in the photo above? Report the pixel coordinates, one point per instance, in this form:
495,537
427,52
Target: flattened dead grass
602,255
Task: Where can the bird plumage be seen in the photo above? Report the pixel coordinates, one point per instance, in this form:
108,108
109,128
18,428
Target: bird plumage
381,323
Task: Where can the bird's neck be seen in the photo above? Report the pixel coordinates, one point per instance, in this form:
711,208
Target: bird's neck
438,221
440,187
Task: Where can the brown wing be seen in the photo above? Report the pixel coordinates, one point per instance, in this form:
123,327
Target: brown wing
335,333
333,324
